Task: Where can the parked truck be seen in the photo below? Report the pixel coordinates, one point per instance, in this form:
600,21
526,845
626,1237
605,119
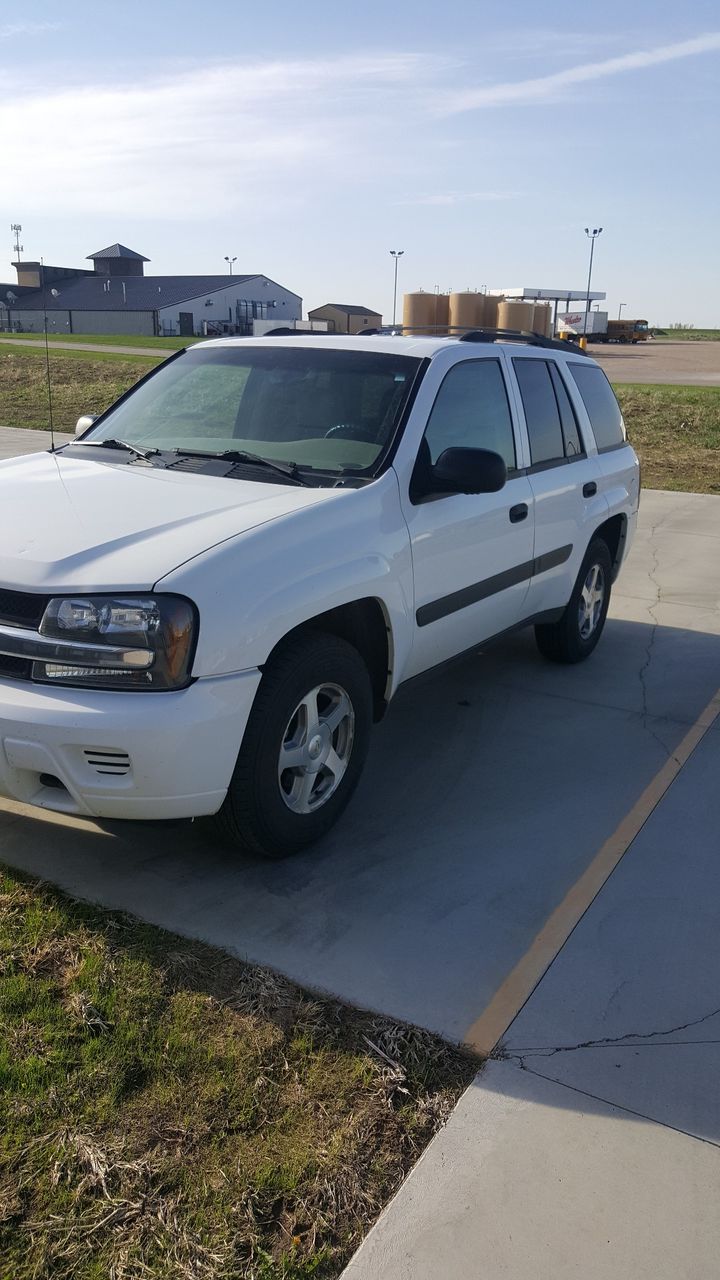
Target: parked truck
597,328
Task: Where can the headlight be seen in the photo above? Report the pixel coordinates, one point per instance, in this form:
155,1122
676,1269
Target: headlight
118,642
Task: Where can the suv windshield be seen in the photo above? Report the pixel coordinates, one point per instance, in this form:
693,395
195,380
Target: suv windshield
323,408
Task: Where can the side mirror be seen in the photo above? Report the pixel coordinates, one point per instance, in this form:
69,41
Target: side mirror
84,423
469,471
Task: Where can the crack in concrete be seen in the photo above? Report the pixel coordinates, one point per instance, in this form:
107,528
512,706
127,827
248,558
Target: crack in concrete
618,1106
549,1051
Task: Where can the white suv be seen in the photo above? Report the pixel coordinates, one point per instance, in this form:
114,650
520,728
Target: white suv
207,599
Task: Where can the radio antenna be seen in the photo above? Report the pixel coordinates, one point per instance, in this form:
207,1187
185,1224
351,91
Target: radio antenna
47,353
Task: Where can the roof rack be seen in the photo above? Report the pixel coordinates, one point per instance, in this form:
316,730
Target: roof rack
463,334
517,335
457,332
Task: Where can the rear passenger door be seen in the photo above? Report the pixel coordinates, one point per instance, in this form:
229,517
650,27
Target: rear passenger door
564,477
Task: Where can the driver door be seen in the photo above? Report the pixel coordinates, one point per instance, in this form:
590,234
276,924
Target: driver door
472,553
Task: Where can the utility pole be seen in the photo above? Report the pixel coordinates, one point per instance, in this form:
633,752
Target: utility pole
622,304
592,236
18,247
396,254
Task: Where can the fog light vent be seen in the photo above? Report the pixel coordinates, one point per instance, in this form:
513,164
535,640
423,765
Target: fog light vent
114,763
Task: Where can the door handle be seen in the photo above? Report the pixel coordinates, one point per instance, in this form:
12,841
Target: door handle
518,512
589,489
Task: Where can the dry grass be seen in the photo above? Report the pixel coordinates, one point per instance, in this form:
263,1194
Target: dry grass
81,383
676,432
172,1113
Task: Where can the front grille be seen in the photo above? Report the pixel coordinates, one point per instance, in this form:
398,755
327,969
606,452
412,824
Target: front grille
21,608
14,668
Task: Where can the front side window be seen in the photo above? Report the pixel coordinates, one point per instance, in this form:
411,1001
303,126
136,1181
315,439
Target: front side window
603,409
324,409
471,410
542,414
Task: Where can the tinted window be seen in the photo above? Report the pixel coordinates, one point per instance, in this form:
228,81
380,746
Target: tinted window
602,407
541,410
472,410
571,434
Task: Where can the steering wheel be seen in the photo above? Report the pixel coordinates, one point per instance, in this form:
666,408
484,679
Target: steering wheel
350,431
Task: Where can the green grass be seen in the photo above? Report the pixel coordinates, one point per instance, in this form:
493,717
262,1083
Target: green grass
676,432
106,340
687,335
171,1112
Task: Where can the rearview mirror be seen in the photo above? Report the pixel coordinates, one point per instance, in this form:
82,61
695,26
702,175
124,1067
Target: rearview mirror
469,471
84,423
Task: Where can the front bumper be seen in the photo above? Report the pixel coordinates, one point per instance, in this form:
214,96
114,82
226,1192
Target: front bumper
123,755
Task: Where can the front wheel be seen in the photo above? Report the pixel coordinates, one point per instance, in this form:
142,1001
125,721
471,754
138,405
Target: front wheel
574,637
304,747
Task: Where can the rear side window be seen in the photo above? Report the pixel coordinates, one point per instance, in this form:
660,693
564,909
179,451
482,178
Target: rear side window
573,443
541,410
603,409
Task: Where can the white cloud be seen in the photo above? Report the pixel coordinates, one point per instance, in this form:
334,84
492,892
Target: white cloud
213,139
9,29
522,92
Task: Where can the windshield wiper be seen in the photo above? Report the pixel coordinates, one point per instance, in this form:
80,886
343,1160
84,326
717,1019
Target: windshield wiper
290,472
120,444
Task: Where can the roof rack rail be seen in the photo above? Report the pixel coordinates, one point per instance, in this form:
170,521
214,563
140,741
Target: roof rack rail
517,335
458,332
463,334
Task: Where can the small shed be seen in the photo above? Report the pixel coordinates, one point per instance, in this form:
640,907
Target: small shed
343,317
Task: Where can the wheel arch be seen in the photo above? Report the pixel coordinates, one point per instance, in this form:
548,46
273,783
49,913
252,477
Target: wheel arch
613,532
366,626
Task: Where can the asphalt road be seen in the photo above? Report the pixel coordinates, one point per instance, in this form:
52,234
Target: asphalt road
695,364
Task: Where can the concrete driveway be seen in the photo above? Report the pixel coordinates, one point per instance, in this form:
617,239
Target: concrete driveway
489,792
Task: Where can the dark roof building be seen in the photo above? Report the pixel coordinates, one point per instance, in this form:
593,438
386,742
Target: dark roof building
115,296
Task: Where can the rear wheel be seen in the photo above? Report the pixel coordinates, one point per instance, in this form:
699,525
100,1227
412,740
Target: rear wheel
574,637
304,747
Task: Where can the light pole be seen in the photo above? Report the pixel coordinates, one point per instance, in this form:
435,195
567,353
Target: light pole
592,236
622,304
230,262
396,254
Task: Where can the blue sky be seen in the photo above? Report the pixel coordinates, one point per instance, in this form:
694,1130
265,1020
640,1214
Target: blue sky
310,139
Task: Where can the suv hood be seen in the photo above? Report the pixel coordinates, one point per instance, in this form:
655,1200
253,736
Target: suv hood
68,523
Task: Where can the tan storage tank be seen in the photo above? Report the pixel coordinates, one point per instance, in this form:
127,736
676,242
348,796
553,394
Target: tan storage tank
441,318
541,319
516,315
419,311
465,309
490,312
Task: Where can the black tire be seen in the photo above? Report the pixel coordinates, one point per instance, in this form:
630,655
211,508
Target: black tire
563,641
255,817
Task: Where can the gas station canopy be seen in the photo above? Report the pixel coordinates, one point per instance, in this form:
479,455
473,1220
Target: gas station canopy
547,295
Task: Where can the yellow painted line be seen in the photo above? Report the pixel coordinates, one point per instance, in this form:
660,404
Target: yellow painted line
510,997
